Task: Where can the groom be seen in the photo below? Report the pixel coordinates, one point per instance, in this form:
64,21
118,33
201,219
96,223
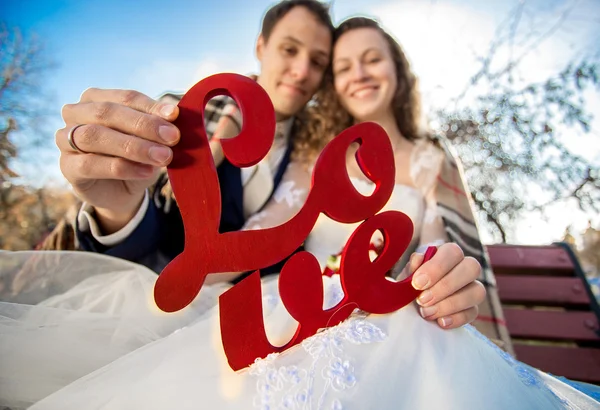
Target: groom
116,142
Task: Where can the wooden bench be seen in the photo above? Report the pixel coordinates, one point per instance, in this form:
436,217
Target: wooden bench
551,314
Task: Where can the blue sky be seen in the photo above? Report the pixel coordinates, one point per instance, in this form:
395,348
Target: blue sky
127,44
153,46
107,43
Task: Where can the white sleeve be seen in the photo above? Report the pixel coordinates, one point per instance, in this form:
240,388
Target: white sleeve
87,223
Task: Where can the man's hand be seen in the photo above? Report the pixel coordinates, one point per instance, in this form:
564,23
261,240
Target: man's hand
451,292
124,138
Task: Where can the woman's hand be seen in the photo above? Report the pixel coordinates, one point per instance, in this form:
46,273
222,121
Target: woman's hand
451,291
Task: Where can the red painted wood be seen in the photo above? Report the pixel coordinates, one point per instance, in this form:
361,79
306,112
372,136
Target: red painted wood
364,281
193,176
194,180
195,183
530,260
581,364
551,325
300,283
544,291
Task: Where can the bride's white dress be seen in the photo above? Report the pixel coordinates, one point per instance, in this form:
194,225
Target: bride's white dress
104,345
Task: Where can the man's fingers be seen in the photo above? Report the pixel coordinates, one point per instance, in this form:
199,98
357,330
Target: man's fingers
132,99
123,119
97,139
78,167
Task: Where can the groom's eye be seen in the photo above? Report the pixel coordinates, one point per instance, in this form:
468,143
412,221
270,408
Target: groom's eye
319,64
290,51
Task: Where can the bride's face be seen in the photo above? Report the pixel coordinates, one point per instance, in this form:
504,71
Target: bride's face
364,74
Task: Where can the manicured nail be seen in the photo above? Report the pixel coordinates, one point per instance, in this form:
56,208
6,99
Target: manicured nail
168,133
167,110
428,311
159,154
420,281
445,321
425,297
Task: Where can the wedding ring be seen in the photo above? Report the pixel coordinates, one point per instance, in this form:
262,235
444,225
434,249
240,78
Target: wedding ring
72,141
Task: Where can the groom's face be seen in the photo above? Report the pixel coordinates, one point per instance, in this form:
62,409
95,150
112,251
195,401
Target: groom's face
293,60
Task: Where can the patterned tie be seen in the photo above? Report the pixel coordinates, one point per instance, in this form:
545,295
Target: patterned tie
277,151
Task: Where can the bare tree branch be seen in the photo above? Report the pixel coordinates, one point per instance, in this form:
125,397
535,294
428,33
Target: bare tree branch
511,136
26,213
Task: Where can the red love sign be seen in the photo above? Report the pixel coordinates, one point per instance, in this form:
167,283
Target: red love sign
194,180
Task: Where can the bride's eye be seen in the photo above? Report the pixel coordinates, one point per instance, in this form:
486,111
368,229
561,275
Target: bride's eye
341,70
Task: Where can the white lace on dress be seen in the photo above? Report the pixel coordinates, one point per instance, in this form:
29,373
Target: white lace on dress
327,379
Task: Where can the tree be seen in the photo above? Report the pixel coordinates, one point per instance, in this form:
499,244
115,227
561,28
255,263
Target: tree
24,66
587,246
8,151
589,252
26,213
510,135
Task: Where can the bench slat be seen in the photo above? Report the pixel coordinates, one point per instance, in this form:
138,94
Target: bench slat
530,260
546,291
551,325
581,364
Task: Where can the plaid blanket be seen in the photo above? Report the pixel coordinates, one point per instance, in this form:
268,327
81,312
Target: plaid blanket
454,204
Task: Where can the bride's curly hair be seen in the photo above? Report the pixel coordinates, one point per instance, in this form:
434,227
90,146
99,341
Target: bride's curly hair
324,117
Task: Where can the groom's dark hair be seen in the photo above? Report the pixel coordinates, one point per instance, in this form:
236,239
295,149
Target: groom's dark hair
277,12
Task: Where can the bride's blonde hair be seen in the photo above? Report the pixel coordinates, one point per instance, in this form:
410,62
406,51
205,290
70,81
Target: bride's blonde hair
324,118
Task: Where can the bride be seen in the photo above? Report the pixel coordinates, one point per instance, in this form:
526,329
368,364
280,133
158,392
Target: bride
159,361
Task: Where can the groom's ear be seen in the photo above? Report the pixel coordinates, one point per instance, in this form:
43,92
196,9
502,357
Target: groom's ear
260,46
